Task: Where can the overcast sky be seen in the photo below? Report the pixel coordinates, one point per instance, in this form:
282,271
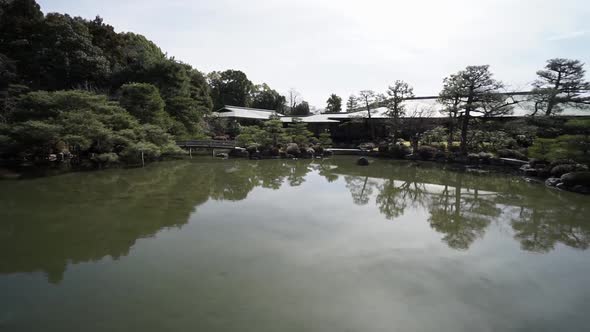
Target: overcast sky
320,47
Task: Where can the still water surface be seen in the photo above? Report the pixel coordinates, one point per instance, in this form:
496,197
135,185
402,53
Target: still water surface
273,245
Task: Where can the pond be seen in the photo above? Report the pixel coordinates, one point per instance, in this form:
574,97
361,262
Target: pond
292,245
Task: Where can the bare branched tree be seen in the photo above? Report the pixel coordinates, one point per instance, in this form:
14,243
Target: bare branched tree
416,123
294,99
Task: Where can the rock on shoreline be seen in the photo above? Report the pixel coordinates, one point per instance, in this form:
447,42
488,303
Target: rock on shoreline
578,182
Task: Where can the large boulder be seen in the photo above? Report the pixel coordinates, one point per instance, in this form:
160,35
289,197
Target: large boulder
485,157
362,161
307,153
562,169
252,148
426,152
394,150
576,179
292,149
537,163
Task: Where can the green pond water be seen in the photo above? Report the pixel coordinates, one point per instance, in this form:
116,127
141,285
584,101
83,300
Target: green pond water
275,245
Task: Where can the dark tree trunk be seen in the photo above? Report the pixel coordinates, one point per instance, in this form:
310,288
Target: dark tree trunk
550,106
552,102
371,125
451,133
464,129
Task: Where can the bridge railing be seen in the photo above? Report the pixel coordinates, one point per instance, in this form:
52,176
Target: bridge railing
206,144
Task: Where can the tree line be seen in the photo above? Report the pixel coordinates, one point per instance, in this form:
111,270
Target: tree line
474,92
76,85
72,84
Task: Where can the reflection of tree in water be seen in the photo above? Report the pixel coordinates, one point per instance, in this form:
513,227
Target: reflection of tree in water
47,223
326,170
299,170
544,220
361,188
462,215
50,222
396,195
393,200
274,173
233,181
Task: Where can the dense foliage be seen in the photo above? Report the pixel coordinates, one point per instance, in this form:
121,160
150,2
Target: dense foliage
273,136
575,144
84,124
334,104
76,87
56,69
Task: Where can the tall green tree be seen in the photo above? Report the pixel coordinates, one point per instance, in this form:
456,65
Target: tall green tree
298,132
20,28
266,98
200,91
561,84
334,104
351,104
68,59
230,87
143,101
450,99
276,132
302,109
110,42
478,93
396,95
394,101
138,58
170,77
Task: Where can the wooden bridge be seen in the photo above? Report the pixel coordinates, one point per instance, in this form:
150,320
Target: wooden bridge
207,144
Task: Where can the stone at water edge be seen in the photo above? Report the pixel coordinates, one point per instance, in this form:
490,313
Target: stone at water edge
239,152
222,155
362,161
527,170
576,179
581,189
293,149
552,182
